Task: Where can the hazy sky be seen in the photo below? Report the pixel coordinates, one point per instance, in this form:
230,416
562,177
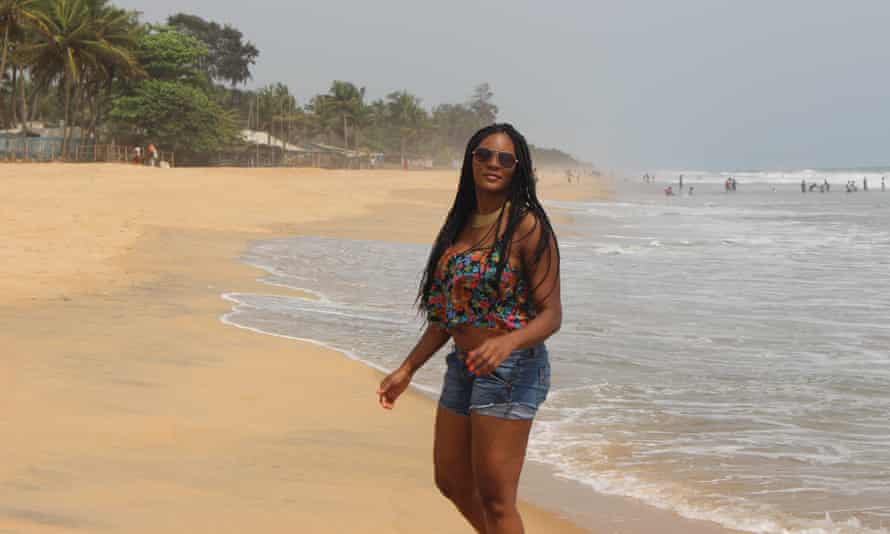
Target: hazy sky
704,84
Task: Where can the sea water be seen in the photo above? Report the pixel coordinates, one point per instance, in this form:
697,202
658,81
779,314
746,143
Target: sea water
723,355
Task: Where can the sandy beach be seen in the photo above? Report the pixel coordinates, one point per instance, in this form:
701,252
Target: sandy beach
128,406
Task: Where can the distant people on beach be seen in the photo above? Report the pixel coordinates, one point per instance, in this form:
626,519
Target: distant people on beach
152,154
883,185
864,183
827,186
669,191
681,182
730,184
691,189
803,186
572,175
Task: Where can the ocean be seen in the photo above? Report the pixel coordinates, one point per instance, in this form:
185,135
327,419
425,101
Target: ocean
722,355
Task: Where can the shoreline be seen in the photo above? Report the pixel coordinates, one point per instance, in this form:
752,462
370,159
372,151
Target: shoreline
135,408
541,483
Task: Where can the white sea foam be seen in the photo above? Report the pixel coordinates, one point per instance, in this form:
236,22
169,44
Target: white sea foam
735,343
230,319
836,177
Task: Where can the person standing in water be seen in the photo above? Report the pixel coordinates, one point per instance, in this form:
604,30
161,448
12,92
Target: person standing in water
803,186
883,185
491,284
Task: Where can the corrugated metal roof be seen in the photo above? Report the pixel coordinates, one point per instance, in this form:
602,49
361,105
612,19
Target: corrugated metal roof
255,137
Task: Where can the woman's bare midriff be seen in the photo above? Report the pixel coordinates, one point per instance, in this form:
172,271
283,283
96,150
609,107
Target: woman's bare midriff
468,337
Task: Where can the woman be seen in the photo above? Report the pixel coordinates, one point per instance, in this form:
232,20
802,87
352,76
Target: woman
498,373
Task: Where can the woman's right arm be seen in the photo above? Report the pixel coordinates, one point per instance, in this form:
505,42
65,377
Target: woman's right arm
431,341
396,382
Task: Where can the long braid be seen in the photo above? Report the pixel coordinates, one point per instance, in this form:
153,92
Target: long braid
523,198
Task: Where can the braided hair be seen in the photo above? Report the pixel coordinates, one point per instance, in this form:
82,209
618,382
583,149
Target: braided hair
523,199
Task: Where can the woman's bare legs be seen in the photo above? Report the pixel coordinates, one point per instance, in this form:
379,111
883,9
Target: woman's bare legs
453,466
498,452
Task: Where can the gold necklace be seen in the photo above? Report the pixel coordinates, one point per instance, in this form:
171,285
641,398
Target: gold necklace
480,220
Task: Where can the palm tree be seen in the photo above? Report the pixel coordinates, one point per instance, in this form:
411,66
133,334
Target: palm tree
275,103
116,28
407,116
76,39
14,17
454,124
324,117
346,100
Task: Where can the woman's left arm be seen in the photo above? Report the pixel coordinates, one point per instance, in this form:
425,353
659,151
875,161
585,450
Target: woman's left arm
543,278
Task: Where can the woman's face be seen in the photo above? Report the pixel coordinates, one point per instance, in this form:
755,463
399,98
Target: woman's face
491,175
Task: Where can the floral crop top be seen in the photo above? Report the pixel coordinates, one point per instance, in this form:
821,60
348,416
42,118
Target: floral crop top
462,293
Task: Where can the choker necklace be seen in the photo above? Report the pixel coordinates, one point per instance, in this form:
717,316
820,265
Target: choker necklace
480,220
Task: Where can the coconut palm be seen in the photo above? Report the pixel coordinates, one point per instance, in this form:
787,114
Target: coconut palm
346,100
77,39
15,15
120,29
406,114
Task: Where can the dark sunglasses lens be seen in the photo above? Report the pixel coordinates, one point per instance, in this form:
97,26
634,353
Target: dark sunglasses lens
482,155
506,160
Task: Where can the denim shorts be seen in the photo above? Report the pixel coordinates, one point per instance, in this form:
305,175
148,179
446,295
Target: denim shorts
514,390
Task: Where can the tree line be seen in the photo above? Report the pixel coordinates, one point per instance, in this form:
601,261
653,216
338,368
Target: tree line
90,65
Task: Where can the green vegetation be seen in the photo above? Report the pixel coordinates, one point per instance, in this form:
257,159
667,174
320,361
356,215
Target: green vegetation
172,107
98,71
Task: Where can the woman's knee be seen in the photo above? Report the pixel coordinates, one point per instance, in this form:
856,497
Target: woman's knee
452,487
497,505
497,499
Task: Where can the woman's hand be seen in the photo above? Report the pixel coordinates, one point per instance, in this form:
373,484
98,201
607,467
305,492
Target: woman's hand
392,386
486,357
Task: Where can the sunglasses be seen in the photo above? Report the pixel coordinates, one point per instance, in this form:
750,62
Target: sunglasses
505,159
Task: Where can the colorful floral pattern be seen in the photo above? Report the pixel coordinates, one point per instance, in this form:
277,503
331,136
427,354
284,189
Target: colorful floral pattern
463,293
